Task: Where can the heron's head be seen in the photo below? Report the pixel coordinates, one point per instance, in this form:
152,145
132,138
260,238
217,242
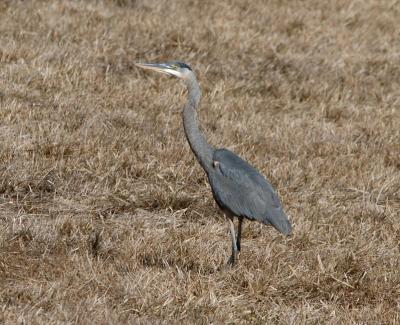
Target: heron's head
174,68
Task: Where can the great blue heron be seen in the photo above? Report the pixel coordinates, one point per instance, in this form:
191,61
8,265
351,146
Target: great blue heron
239,189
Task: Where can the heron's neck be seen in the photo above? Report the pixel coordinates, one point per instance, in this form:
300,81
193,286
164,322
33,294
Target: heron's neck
202,150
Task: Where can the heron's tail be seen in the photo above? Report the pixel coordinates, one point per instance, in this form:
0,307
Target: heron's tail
278,219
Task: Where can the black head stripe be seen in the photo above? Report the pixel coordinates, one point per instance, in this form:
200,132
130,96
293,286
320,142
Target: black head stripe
184,65
181,65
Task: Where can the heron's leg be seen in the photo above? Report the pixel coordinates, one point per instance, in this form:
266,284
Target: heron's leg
233,258
239,233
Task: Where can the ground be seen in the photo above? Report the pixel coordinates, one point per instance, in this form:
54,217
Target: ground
106,216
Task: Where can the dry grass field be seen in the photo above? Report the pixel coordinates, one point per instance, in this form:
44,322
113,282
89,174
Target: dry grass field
106,216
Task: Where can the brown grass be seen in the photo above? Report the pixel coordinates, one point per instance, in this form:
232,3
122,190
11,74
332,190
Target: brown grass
106,217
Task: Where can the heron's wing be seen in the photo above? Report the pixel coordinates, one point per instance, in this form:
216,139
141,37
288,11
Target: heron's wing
238,170
237,198
240,188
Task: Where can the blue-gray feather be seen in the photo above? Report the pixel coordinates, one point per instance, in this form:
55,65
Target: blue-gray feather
244,192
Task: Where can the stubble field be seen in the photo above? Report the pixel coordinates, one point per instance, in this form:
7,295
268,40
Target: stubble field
105,215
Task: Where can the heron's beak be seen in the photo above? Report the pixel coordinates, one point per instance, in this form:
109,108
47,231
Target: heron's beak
160,67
